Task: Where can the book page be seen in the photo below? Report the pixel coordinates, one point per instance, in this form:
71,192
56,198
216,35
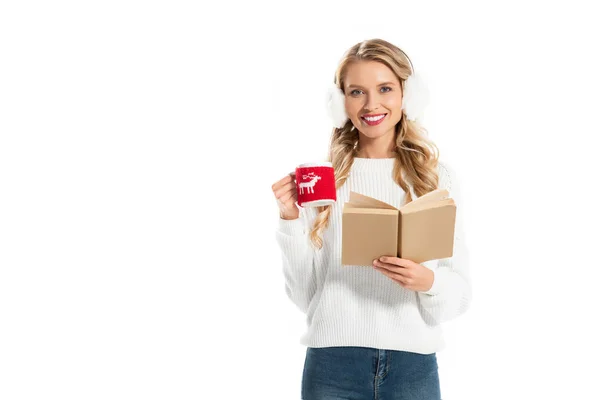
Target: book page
349,209
427,205
360,200
435,195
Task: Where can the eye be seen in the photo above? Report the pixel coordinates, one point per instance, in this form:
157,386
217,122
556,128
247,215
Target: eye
352,93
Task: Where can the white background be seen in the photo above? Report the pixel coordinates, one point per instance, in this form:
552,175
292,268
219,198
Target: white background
139,142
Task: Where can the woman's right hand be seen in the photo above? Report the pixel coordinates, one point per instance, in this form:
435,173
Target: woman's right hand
286,195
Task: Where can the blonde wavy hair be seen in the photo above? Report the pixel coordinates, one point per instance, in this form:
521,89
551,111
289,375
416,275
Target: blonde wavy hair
416,155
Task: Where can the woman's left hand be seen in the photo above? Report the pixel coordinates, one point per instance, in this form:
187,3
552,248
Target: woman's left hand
406,273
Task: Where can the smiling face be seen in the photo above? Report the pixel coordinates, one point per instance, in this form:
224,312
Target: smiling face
373,98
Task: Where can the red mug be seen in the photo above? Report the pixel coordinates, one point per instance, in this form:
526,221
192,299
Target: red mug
315,184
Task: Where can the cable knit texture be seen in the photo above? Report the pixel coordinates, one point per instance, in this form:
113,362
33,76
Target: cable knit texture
357,305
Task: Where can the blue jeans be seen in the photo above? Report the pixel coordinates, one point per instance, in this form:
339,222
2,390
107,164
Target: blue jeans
364,373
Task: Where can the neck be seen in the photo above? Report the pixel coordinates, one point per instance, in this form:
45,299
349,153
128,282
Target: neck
375,154
381,147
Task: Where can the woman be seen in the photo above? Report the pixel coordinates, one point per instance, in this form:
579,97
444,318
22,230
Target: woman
373,332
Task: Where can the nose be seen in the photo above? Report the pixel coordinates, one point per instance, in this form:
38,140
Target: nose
372,102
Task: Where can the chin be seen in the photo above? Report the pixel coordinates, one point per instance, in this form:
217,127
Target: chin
375,133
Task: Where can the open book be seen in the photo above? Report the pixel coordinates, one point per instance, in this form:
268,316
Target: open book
420,231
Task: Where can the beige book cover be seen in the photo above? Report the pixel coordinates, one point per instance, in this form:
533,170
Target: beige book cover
420,231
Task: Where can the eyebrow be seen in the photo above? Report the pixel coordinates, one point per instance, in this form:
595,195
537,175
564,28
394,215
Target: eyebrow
381,84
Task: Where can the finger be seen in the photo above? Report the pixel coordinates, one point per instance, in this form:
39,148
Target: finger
288,187
388,267
396,277
286,179
400,262
291,177
286,197
405,273
391,267
281,182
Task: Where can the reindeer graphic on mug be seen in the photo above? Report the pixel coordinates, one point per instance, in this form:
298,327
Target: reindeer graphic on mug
310,185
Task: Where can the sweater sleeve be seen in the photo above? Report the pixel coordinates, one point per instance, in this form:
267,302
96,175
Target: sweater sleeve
298,254
450,295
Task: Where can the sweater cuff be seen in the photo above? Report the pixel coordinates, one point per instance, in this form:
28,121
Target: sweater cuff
294,227
291,227
439,279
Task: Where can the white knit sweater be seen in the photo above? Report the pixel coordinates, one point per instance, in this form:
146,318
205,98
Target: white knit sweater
357,305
